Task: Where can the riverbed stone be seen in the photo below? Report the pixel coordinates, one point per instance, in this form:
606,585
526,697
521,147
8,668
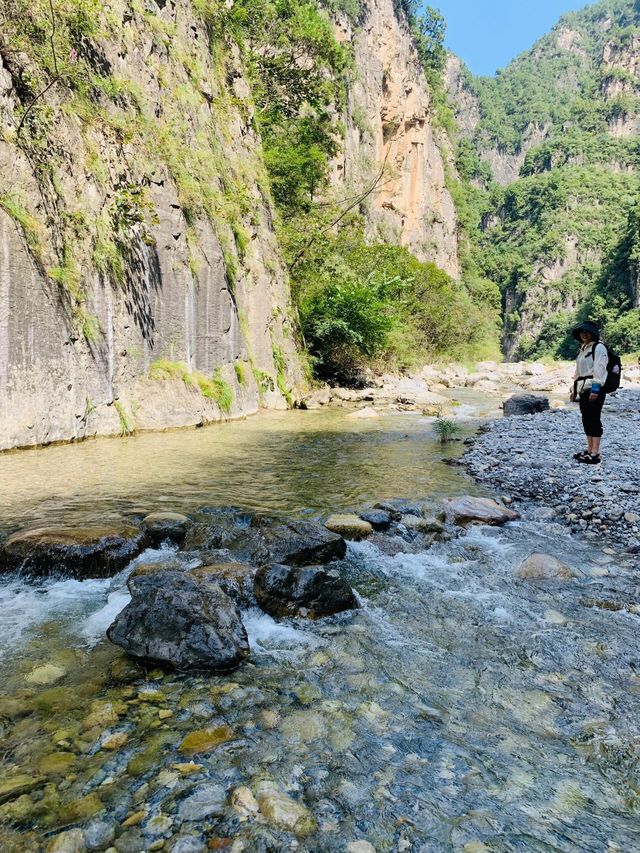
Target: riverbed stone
349,525
98,834
545,567
205,740
71,841
87,552
360,847
206,800
12,787
165,525
282,811
45,675
468,510
310,591
173,619
244,802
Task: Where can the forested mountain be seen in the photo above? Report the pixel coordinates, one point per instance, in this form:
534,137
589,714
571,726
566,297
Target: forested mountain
550,149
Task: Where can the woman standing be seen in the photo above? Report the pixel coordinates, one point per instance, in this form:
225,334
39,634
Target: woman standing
589,380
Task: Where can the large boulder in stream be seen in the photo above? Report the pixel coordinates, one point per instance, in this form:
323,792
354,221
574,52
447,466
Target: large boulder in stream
83,552
466,510
525,404
311,591
174,619
262,541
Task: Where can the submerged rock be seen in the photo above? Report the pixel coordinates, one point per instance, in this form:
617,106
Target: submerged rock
85,552
545,567
173,619
312,591
281,810
525,404
71,841
349,525
467,509
166,525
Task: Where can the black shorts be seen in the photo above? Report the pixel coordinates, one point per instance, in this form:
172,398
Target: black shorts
591,414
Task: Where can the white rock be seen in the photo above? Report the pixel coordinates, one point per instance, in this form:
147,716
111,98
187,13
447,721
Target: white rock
545,567
363,414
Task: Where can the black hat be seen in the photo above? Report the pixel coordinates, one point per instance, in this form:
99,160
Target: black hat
587,326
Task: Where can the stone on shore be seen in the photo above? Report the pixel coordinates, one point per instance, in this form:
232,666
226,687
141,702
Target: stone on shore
545,567
310,591
83,552
525,404
173,619
165,525
349,525
468,510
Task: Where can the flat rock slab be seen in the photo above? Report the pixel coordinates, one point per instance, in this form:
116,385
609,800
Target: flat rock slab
310,591
84,552
349,526
545,567
467,510
175,620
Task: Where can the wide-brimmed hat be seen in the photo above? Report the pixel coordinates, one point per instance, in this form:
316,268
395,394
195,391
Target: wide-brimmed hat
587,326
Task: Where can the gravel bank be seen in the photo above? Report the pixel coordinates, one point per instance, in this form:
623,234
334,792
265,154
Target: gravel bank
529,458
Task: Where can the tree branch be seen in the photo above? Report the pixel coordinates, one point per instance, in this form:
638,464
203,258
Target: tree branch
56,76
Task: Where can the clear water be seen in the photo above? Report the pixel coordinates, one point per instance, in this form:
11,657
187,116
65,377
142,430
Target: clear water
457,710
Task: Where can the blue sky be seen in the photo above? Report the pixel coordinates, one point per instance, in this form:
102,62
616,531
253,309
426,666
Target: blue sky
486,34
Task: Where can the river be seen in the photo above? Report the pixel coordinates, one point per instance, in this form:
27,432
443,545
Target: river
458,709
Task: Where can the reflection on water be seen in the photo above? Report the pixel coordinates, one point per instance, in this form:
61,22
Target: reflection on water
458,709
291,462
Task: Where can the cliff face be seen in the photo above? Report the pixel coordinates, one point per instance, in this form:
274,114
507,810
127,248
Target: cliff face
390,135
141,281
119,260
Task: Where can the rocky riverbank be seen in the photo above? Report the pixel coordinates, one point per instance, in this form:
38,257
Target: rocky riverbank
529,459
430,389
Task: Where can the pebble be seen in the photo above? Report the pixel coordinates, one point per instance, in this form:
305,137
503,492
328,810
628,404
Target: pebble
360,847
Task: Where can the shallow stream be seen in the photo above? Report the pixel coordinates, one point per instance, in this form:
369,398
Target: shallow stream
458,709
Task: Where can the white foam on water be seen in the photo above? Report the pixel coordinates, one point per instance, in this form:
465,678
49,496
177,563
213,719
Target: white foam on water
266,636
95,627
26,604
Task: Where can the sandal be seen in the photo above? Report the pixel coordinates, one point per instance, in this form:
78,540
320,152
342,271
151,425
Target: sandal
591,459
580,457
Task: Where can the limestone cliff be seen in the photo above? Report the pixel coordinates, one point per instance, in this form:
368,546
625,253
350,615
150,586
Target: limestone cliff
140,280
390,135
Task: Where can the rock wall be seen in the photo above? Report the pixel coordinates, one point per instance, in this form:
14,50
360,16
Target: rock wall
204,295
390,136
